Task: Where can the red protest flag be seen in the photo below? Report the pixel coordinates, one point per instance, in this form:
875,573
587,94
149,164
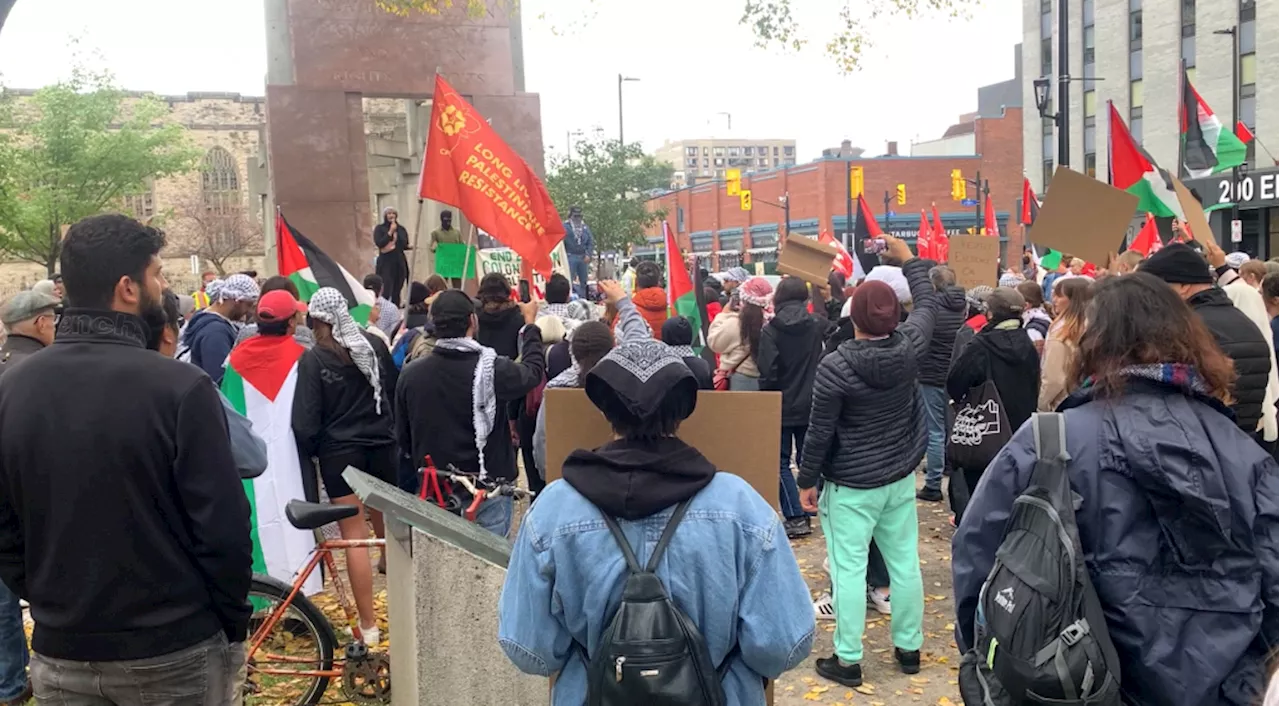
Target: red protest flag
843,261
924,239
941,243
989,223
1243,132
468,166
1030,204
1148,238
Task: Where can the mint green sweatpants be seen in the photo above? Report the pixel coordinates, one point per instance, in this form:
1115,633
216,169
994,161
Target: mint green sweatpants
851,518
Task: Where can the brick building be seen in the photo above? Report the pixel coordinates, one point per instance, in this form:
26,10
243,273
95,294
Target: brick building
711,224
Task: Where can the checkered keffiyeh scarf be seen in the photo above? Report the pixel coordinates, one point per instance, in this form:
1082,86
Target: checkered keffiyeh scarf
236,288
484,401
328,305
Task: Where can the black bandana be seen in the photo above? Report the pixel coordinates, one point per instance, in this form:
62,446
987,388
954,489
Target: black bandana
641,375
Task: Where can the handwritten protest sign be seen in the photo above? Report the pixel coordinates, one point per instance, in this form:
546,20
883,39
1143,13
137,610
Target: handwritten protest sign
506,262
975,259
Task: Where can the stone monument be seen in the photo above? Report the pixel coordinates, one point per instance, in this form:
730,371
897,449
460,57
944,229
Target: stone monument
325,56
444,577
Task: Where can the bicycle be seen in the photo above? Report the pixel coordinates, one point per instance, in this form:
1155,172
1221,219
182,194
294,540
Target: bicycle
292,644
463,493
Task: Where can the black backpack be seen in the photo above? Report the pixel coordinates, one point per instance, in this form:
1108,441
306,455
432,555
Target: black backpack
978,426
651,654
1039,632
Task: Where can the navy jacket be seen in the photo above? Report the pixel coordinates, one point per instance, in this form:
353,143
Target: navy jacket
206,342
1178,524
866,427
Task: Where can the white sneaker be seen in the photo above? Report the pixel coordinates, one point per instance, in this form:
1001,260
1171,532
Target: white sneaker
826,565
823,608
878,600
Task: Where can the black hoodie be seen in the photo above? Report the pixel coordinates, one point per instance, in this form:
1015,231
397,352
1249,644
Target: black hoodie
950,308
790,348
499,329
334,410
1008,357
635,479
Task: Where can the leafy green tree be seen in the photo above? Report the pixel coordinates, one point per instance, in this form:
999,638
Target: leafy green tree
609,182
73,150
771,21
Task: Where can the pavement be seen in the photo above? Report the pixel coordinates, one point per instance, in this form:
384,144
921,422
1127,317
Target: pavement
882,682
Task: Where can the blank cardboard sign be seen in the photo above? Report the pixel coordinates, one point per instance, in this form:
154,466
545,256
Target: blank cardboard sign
975,259
1193,211
806,259
1083,216
736,431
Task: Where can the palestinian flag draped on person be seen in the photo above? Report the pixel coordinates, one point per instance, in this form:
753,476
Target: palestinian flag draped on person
310,269
1133,170
262,373
682,299
1208,146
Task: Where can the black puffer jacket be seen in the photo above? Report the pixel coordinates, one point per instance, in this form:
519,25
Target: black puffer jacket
949,312
866,428
1241,340
790,348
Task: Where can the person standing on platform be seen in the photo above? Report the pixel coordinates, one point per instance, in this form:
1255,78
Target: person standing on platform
446,234
393,265
579,246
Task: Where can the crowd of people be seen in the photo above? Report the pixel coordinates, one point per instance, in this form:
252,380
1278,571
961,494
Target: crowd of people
1164,369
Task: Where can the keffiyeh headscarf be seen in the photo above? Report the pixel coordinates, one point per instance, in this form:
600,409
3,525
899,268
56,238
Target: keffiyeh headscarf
236,288
484,401
759,292
328,305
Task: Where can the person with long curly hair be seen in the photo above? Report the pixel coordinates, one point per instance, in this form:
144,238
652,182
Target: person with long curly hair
735,333
1177,505
1070,301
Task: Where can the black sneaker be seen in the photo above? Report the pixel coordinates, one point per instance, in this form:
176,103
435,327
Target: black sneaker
931,495
908,662
798,527
830,668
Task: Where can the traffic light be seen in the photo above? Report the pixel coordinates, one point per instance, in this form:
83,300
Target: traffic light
744,199
732,182
902,194
958,186
855,182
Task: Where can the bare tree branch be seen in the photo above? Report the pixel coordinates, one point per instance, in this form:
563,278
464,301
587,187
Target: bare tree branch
213,231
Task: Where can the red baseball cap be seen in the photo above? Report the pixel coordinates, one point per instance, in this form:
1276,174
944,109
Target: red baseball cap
278,305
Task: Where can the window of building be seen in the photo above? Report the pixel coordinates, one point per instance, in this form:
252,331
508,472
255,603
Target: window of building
1091,164
777,162
1090,103
1135,65
763,162
679,219
1046,125
1047,175
142,205
1046,146
719,173
1189,50
1046,56
691,151
693,162
1046,24
719,162
775,150
718,151
220,191
1135,29
1135,94
1087,7
1191,74
706,151
705,162
1046,7
789,150
1090,135
746,151
1088,45
1248,69
735,151
1135,124
1249,105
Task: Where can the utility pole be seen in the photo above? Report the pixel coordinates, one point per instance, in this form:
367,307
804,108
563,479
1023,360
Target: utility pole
977,211
621,79
886,209
1234,31
786,214
1064,84
847,237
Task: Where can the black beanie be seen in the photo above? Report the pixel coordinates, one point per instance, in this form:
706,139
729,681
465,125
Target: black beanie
1178,264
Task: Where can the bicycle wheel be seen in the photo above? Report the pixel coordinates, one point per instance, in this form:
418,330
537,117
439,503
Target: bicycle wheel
301,641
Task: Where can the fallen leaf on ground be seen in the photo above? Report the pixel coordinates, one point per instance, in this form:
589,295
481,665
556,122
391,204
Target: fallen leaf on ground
867,689
941,660
919,680
950,626
944,701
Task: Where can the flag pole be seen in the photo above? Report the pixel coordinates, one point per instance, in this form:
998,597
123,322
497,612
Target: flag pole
417,231
466,259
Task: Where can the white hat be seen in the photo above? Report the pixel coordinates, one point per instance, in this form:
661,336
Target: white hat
893,277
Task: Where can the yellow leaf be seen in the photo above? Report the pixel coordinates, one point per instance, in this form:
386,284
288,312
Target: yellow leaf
807,680
880,650
897,692
877,703
915,690
941,660
950,626
821,689
919,680
944,701
790,687
848,695
865,689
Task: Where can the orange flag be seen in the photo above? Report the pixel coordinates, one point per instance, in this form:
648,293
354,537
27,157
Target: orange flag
468,166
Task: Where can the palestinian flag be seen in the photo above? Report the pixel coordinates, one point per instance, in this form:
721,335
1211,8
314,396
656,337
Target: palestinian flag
1030,204
865,228
262,373
310,269
1208,146
1049,261
1133,170
682,299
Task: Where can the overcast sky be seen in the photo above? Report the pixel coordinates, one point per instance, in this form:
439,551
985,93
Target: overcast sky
693,59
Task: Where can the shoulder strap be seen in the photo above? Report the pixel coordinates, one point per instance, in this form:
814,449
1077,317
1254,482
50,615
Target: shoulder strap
1051,436
623,544
676,516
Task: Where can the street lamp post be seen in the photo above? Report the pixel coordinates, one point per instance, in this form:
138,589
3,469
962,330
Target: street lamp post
621,79
568,140
1235,108
1064,85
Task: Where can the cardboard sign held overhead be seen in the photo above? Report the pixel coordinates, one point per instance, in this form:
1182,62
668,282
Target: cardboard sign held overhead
1082,216
806,259
975,259
750,451
1193,211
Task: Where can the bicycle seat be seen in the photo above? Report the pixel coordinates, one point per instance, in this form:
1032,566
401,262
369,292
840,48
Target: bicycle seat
305,515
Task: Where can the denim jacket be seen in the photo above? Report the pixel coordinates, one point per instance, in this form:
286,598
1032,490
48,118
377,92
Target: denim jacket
729,567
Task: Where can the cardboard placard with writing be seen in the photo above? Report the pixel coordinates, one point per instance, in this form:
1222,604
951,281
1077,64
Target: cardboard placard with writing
975,259
1193,211
806,259
748,447
1082,216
